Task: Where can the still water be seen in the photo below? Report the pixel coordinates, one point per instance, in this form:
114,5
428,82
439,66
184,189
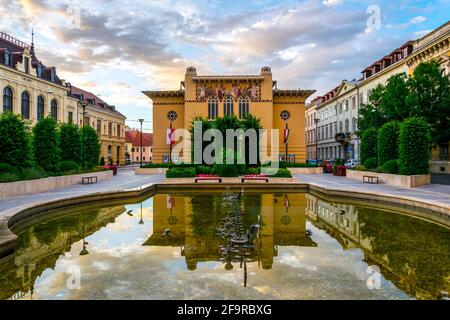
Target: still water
228,246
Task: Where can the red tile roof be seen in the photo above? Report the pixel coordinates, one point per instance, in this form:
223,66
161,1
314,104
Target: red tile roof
134,137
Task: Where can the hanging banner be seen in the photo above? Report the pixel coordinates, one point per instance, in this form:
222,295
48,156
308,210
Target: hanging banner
286,135
170,202
170,136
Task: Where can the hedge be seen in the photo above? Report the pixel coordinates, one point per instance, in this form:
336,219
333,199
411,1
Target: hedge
14,140
391,166
282,173
70,143
414,151
388,142
370,163
368,144
45,144
180,173
226,170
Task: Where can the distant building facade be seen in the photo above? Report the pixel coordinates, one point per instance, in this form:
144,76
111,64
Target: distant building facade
135,147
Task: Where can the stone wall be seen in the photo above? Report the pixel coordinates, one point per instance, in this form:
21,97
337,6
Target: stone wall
394,180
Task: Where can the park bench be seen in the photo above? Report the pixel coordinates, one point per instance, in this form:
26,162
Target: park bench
371,179
197,179
89,180
255,178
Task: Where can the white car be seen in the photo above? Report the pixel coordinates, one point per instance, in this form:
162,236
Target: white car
351,163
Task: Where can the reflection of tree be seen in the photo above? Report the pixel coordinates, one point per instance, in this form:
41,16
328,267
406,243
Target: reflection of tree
416,252
206,214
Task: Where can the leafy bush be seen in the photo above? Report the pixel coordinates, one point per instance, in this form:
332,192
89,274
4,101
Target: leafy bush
6,168
102,161
70,142
180,172
91,147
33,173
360,168
203,170
14,140
300,165
282,173
391,166
368,143
370,163
225,170
45,144
8,177
414,152
387,143
253,170
339,162
66,166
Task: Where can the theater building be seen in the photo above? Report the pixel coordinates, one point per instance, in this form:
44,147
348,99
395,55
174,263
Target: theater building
213,96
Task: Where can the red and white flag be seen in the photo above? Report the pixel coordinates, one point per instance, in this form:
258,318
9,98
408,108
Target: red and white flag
170,136
170,202
286,135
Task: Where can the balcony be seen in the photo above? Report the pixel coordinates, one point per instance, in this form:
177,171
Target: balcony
342,137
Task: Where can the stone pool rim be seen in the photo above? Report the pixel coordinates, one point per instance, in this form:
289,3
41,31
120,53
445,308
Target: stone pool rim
433,212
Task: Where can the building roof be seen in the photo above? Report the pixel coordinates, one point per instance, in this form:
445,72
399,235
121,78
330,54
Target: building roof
93,100
134,137
293,93
17,48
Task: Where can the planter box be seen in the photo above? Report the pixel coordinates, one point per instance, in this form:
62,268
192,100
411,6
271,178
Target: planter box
394,180
311,170
142,171
42,185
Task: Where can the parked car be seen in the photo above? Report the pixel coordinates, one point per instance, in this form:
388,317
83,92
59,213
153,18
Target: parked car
351,163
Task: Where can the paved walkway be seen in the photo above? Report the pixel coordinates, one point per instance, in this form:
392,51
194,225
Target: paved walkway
433,192
125,179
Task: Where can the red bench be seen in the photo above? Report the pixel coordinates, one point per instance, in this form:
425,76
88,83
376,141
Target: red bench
255,178
197,179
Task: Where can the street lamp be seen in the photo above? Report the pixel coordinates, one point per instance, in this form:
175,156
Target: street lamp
141,121
83,104
316,120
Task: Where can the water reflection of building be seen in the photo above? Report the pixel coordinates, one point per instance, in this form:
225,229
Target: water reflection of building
39,247
193,223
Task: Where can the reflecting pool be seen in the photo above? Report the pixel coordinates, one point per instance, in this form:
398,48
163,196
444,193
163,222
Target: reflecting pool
228,246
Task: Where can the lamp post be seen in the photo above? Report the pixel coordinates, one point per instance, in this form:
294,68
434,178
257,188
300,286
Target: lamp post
316,120
141,121
83,104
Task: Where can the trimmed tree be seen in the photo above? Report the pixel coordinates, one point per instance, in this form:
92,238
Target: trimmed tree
368,144
45,144
387,143
70,143
91,147
14,140
414,151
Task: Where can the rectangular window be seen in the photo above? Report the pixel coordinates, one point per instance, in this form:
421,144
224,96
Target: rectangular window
99,126
70,117
26,61
143,158
137,149
143,149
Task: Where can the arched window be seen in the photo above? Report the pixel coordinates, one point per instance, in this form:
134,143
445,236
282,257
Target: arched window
213,108
347,125
8,58
340,108
228,106
354,124
25,105
7,100
243,107
341,129
54,109
40,108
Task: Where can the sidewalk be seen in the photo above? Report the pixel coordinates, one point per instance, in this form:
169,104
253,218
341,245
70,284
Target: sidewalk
433,192
125,179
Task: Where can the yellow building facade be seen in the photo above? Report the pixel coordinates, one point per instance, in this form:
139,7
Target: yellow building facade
212,96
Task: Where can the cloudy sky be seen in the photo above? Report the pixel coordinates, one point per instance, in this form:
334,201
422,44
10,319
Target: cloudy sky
117,48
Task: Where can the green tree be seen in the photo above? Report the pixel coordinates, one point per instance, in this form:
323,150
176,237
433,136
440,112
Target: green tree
430,98
91,147
14,140
368,144
45,144
250,122
370,114
206,125
70,143
414,151
387,143
393,100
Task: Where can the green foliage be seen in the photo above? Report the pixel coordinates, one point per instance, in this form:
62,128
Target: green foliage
368,144
430,98
14,140
9,177
32,173
226,170
414,153
282,173
339,162
300,165
45,144
180,172
203,170
387,144
6,168
370,114
393,100
91,147
70,142
360,168
370,163
253,170
68,165
391,166
102,161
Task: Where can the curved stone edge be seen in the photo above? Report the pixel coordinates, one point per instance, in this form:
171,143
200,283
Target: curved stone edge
438,212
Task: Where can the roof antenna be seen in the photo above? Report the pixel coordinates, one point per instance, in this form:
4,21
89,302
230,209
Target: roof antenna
32,40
